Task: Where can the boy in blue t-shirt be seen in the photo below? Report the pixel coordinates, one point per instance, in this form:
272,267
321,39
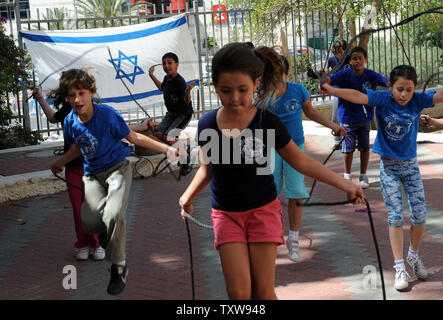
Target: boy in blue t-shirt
176,95
96,132
356,118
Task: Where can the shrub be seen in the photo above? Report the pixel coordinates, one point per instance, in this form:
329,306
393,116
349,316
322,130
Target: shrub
12,76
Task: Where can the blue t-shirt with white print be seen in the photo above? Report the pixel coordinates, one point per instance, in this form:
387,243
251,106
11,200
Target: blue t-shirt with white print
397,125
100,138
289,109
348,112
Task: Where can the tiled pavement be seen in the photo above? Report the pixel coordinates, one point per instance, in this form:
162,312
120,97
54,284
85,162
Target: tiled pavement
338,254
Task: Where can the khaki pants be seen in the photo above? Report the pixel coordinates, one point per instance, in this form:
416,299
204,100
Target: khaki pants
104,207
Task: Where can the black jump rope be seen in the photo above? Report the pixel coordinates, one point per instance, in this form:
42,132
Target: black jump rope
186,169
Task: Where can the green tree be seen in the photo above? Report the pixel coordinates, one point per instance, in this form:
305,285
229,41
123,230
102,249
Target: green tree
12,76
100,9
62,15
270,13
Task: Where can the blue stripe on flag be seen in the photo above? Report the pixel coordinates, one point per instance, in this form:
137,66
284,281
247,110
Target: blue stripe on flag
137,96
108,38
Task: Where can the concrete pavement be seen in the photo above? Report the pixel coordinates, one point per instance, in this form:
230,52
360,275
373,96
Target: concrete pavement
338,255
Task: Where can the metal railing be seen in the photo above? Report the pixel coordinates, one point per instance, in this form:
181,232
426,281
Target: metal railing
308,34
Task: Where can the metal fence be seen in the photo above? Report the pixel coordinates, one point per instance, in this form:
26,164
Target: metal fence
308,36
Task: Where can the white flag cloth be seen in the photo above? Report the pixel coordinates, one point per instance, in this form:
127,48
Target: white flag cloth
134,49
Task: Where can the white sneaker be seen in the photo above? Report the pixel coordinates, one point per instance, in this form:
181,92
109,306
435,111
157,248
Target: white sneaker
364,182
401,279
417,265
347,176
82,254
98,254
293,250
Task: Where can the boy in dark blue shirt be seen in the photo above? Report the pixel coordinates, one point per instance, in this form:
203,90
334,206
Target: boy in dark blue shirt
356,118
176,95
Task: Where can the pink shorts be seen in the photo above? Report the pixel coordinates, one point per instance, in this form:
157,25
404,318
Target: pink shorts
262,224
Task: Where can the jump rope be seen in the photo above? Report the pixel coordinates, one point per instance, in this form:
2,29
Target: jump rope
321,78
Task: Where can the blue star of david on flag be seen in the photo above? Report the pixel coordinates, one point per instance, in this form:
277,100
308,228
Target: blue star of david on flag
117,62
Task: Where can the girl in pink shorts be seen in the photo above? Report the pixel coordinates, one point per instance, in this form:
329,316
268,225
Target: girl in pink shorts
236,141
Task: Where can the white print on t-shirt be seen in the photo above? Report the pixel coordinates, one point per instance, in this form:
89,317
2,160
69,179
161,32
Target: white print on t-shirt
247,144
292,105
252,149
88,143
397,126
366,85
173,99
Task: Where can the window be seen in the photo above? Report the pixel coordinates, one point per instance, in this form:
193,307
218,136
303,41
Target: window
9,13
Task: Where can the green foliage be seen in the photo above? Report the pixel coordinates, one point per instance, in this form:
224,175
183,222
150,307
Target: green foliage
426,60
12,76
100,9
60,14
15,136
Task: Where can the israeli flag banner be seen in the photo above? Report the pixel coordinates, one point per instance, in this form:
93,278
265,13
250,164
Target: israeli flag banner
114,55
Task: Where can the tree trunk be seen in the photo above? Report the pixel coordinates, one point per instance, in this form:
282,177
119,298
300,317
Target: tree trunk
370,17
285,52
351,27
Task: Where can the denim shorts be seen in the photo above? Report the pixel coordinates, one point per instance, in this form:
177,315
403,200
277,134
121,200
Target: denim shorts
394,174
293,180
357,134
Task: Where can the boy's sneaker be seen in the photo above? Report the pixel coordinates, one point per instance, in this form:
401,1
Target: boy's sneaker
98,254
82,254
401,279
118,279
293,250
364,182
347,176
417,265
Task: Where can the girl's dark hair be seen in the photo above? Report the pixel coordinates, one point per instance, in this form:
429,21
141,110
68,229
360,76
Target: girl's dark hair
263,63
343,44
335,46
285,64
73,78
170,55
405,71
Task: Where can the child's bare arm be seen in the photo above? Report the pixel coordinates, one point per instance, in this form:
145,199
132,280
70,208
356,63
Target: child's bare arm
157,82
148,143
49,112
73,153
427,120
316,116
350,95
188,92
438,97
200,181
314,169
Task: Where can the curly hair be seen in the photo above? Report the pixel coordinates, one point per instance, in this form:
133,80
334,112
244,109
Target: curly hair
73,78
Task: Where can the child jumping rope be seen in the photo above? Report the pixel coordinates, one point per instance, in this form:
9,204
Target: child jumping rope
356,119
96,131
291,100
398,116
235,142
86,244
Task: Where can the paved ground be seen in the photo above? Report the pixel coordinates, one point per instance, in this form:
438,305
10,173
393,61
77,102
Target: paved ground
338,255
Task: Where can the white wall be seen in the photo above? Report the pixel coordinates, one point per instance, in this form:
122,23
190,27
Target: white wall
43,4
